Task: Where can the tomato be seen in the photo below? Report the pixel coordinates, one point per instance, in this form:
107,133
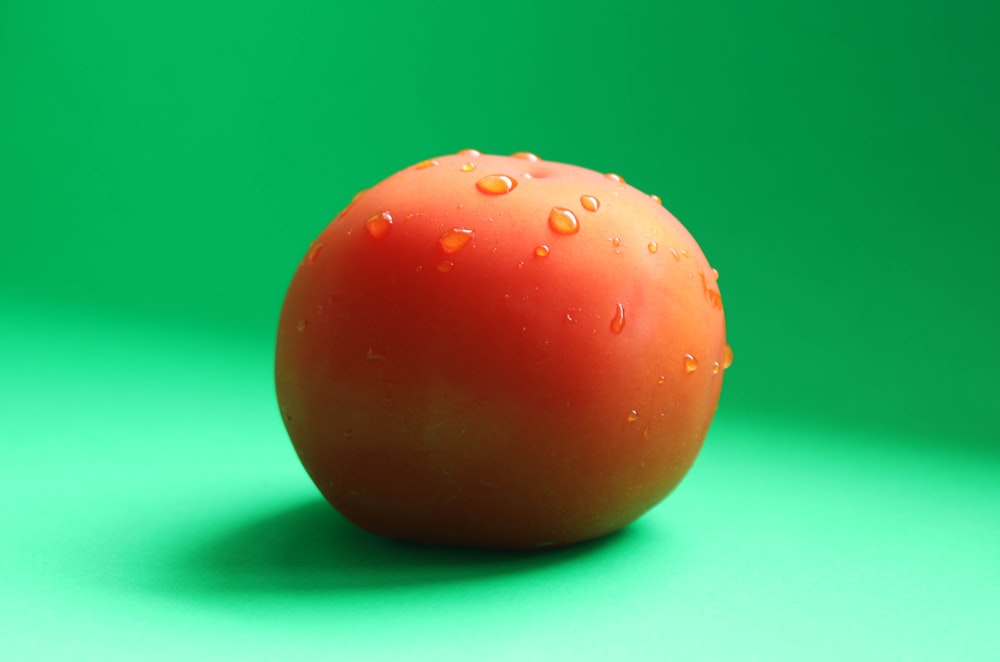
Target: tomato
500,352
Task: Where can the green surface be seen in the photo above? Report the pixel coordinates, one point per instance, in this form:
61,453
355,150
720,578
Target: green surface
153,509
163,169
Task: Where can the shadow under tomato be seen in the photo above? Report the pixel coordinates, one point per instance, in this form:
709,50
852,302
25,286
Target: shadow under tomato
310,547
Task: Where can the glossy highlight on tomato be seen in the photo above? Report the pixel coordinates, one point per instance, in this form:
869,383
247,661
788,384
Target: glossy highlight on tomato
500,352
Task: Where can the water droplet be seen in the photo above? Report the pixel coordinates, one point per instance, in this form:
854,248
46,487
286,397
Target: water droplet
455,239
662,379
633,416
496,184
471,152
616,241
715,367
615,178
618,321
656,199
301,326
673,251
429,163
314,250
379,225
690,363
652,246
570,318
520,264
590,203
542,251
715,274
563,221
528,156
445,266
468,167
727,357
684,253
351,203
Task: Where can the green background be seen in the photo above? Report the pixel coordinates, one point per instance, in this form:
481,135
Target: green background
163,168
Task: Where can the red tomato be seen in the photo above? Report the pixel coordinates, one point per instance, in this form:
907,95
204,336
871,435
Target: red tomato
501,352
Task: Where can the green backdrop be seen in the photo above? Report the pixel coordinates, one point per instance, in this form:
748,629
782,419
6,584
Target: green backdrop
164,166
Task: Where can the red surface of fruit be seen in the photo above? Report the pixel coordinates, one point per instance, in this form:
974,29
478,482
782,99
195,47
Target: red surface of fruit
501,352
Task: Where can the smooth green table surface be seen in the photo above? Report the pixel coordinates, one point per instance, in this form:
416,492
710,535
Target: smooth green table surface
153,509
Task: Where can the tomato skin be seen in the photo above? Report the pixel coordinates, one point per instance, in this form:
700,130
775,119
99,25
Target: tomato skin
445,379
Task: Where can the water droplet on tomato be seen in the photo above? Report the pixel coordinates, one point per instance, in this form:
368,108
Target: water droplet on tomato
468,167
684,253
590,203
632,416
715,274
314,250
673,251
542,251
445,266
471,152
301,326
652,246
429,163
662,379
618,321
656,199
727,357
563,221
455,239
379,225
496,184
615,178
690,363
616,241
715,367
528,156
351,203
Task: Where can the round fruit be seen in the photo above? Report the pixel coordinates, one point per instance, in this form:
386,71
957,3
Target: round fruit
501,352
